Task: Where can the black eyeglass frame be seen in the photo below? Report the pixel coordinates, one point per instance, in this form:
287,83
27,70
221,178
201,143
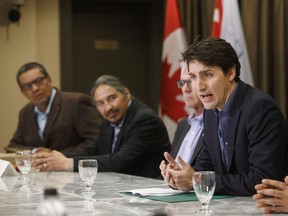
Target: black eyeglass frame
28,86
181,83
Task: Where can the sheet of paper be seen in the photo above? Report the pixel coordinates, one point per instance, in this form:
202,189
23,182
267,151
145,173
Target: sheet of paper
154,191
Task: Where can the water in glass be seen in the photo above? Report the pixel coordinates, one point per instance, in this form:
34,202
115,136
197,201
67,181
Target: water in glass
204,187
23,161
88,172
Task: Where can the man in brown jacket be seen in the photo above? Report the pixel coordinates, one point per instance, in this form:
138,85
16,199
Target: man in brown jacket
53,119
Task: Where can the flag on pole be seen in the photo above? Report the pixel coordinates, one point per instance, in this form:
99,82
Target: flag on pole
172,107
227,25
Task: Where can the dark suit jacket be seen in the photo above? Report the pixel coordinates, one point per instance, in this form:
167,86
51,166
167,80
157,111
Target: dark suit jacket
139,148
71,124
257,143
182,129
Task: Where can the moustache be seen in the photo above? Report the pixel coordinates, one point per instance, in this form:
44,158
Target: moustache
111,111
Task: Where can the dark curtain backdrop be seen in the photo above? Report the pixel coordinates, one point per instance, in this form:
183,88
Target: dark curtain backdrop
265,25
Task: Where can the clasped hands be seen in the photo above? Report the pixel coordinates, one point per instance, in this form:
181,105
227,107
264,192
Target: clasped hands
177,175
46,160
272,195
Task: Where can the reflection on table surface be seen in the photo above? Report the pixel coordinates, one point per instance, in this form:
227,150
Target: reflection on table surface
18,197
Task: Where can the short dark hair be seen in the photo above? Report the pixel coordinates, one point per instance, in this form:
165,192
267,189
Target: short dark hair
108,80
213,52
29,66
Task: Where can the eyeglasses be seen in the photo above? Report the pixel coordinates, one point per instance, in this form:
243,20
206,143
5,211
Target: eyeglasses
28,86
181,83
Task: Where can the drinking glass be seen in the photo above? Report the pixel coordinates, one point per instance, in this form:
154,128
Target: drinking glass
88,171
23,161
204,187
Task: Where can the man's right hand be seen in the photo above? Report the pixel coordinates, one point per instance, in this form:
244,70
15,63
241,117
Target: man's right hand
178,176
52,161
181,175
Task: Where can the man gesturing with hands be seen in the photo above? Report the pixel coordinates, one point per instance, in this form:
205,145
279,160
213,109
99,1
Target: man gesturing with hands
245,134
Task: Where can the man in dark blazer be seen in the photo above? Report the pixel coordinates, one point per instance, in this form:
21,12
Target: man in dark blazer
53,119
245,134
132,137
188,137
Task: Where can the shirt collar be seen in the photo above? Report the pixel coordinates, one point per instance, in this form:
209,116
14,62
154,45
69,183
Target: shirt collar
192,117
122,121
36,109
227,105
118,125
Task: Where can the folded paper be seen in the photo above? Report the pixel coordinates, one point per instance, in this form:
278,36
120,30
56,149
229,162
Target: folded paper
6,169
169,195
154,192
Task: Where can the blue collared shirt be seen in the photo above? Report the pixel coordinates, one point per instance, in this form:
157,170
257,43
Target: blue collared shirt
43,117
223,126
191,139
117,128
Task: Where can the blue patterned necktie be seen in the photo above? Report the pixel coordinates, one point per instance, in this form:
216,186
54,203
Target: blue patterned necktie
222,136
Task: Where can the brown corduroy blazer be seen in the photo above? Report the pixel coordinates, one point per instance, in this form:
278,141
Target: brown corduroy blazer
72,123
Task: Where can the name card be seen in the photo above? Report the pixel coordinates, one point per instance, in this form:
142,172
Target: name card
6,169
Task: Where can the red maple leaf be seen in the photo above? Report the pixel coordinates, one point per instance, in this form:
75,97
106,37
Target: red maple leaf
170,106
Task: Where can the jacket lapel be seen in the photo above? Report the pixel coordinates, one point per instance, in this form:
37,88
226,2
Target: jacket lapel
127,120
109,134
34,124
52,116
234,116
233,122
198,146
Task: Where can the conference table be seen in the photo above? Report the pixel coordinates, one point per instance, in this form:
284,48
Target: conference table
22,197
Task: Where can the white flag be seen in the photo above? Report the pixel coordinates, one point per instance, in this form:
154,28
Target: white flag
172,106
227,25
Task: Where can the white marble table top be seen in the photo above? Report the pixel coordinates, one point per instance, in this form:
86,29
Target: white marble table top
18,197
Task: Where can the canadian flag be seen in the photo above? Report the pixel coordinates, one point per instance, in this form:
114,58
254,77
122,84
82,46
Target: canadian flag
227,25
172,107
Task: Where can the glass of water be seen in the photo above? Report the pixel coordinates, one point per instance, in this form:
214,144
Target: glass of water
88,169
204,187
23,161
